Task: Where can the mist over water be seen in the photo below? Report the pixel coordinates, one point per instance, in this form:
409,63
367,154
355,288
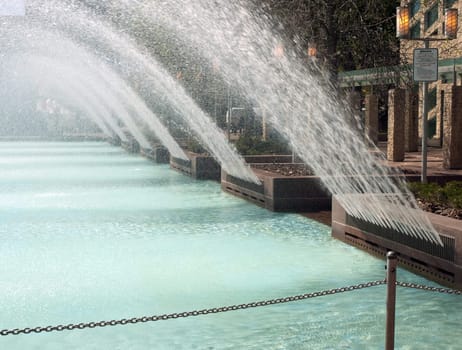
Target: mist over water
299,101
295,95
89,232
70,19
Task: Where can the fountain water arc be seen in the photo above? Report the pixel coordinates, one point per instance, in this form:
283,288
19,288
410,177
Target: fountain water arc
77,89
134,60
79,97
302,104
102,88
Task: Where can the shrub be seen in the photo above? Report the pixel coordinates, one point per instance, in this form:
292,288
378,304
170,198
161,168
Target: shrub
251,145
448,195
453,191
430,192
196,147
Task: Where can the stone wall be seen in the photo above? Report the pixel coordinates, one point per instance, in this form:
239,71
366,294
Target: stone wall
441,264
280,193
411,119
452,140
396,117
372,117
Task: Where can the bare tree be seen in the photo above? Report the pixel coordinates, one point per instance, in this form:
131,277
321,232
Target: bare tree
351,34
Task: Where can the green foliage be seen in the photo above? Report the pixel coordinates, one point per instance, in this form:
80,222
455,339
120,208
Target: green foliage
195,147
430,192
449,194
251,145
453,191
348,34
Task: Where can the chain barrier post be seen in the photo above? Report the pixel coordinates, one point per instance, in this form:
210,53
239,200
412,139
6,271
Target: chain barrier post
392,260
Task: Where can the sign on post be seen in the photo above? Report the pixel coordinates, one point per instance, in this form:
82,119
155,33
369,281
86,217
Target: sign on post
426,65
12,8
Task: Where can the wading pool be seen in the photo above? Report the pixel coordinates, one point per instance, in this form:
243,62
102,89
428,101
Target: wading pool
90,233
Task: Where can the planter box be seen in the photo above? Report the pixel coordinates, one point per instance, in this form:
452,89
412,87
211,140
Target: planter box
131,146
115,141
280,193
440,264
257,159
198,166
158,154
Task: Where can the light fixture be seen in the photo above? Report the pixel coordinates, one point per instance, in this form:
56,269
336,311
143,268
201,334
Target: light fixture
402,22
450,23
312,51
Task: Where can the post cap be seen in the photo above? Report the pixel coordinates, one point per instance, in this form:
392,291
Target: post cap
392,255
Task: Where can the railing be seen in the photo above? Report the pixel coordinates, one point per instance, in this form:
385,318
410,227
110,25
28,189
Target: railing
390,281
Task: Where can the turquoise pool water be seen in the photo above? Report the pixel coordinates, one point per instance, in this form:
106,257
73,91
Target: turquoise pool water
89,232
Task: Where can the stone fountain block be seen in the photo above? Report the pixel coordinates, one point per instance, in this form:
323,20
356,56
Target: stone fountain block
158,154
440,264
199,166
280,193
115,141
131,145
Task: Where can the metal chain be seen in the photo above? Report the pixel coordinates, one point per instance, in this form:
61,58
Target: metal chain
428,288
164,317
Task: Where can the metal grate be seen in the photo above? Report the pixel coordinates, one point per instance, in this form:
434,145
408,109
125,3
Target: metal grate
244,184
182,162
446,252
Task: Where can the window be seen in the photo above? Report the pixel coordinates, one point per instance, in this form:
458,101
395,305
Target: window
432,98
449,3
414,7
415,31
431,16
431,127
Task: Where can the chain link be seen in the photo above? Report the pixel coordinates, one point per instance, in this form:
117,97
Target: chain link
164,317
428,288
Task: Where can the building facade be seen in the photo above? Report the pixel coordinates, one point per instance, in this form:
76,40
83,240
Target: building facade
427,21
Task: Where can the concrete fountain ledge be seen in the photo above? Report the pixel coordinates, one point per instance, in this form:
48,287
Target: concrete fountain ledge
280,193
131,145
440,264
158,154
199,166
303,193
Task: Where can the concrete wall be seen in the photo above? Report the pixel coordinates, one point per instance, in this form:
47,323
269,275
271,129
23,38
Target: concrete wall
441,264
158,154
205,168
411,120
396,119
199,166
281,193
452,140
131,145
372,117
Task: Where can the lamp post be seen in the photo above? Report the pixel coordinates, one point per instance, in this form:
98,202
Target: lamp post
403,32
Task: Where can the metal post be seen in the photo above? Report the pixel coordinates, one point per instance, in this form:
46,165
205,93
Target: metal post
392,259
454,74
423,177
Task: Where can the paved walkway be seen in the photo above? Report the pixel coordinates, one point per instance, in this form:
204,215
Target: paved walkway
413,162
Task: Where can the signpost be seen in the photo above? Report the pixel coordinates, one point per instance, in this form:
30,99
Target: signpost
425,67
